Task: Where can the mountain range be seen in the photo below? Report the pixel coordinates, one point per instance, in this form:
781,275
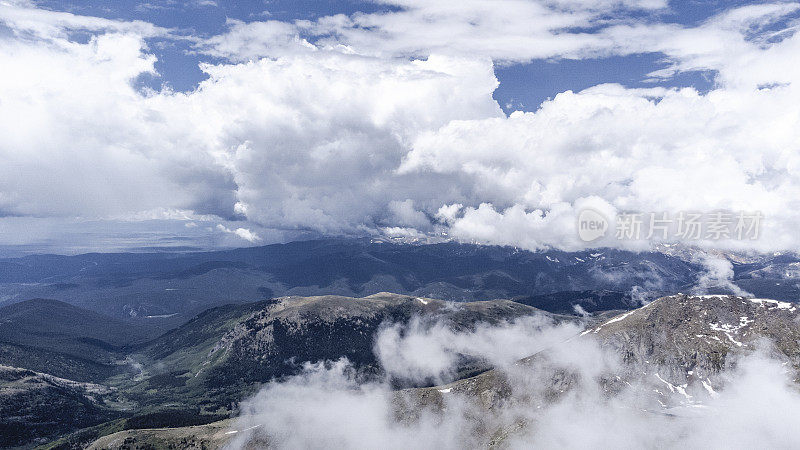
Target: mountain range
673,355
163,290
97,344
199,371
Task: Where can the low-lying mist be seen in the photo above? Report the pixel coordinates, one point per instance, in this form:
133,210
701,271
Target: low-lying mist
574,393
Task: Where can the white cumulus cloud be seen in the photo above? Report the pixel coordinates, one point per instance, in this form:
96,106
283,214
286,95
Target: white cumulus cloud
337,130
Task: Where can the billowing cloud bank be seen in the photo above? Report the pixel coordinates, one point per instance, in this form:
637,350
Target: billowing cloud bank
385,123
330,405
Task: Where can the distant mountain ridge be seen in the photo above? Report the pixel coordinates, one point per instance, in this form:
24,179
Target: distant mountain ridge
580,302
167,289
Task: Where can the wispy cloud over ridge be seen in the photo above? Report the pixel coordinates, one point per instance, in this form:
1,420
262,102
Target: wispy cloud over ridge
330,403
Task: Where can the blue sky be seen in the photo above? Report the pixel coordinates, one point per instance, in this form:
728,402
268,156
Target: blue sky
176,67
492,122
523,86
